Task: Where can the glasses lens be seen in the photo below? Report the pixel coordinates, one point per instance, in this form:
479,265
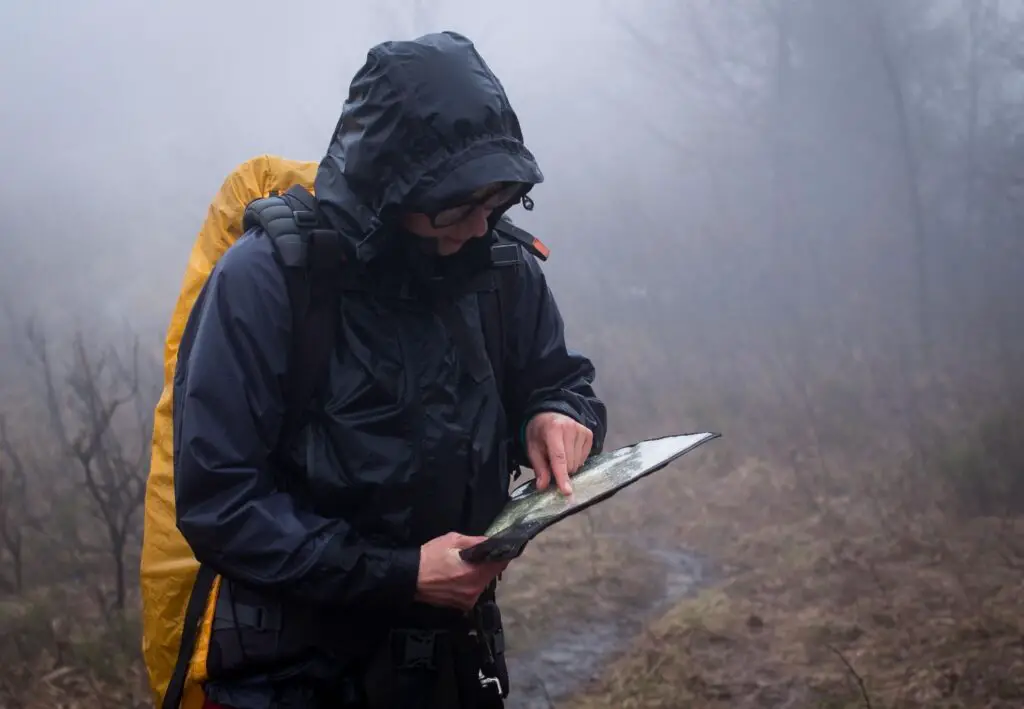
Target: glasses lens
490,199
452,215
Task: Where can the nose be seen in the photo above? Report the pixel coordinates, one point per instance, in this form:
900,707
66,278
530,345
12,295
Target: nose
476,224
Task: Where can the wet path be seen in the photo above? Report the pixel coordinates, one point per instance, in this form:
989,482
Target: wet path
566,661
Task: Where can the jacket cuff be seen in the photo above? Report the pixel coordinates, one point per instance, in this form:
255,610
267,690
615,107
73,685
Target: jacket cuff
388,576
401,575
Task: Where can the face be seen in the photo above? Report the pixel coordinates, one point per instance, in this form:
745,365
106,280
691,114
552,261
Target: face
454,226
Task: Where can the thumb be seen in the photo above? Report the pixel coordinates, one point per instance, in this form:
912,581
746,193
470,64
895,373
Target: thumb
461,541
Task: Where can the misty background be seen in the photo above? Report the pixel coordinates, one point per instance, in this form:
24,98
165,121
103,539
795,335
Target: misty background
797,222
723,174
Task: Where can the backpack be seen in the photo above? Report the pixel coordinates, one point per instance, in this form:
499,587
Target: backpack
178,594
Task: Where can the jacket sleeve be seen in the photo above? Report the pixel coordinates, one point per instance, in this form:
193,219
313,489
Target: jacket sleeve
543,374
228,409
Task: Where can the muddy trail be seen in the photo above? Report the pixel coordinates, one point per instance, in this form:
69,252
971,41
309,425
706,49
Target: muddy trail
569,659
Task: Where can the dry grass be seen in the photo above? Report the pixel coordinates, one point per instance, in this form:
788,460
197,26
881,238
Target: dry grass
824,608
60,650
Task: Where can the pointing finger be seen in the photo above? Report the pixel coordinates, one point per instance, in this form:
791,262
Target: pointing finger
555,438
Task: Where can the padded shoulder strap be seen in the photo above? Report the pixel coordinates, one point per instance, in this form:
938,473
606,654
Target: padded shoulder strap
292,222
312,258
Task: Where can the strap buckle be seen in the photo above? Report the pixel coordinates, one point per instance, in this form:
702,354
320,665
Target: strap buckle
305,218
505,255
491,638
414,649
491,682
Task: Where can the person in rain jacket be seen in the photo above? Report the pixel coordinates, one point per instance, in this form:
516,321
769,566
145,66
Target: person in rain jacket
405,462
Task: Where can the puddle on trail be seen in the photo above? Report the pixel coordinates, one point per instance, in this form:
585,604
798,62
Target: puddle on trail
568,660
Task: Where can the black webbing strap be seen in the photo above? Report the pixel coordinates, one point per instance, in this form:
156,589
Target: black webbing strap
194,612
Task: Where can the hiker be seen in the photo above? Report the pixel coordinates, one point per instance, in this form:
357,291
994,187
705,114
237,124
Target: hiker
337,540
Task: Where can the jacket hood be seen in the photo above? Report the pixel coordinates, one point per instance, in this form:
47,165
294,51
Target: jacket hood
425,120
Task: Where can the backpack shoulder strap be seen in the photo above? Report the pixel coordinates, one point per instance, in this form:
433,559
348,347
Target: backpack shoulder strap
506,266
496,301
311,257
518,235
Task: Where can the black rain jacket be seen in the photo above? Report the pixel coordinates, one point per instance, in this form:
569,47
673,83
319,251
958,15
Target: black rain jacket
409,443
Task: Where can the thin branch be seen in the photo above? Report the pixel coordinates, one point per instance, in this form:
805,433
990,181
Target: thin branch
102,389
856,676
14,504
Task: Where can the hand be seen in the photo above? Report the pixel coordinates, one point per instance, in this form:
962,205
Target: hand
557,446
445,579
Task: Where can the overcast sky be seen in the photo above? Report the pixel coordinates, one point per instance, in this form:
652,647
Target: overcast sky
120,119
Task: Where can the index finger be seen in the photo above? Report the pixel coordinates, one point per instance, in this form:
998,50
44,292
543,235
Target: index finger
557,459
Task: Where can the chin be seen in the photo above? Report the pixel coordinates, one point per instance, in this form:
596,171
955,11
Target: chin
447,248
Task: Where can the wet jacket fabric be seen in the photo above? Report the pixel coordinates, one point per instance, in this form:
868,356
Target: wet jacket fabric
408,441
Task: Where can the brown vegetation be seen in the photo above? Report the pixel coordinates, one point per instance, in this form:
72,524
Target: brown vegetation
832,606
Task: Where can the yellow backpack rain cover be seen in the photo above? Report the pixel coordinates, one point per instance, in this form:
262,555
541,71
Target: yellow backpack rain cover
168,567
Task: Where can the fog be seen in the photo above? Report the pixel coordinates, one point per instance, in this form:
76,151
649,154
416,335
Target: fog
121,120
687,159
797,222
816,186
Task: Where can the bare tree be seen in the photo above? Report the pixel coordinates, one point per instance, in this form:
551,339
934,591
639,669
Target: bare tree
100,412
15,514
894,81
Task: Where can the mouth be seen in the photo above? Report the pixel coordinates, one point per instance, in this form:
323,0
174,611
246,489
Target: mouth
457,240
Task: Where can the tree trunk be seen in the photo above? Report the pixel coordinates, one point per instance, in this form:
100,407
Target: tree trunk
117,549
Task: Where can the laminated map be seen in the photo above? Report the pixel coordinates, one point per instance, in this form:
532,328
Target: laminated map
530,511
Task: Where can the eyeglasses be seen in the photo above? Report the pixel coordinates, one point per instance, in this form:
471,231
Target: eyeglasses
490,197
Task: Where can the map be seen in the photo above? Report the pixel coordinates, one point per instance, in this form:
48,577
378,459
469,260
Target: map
530,511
